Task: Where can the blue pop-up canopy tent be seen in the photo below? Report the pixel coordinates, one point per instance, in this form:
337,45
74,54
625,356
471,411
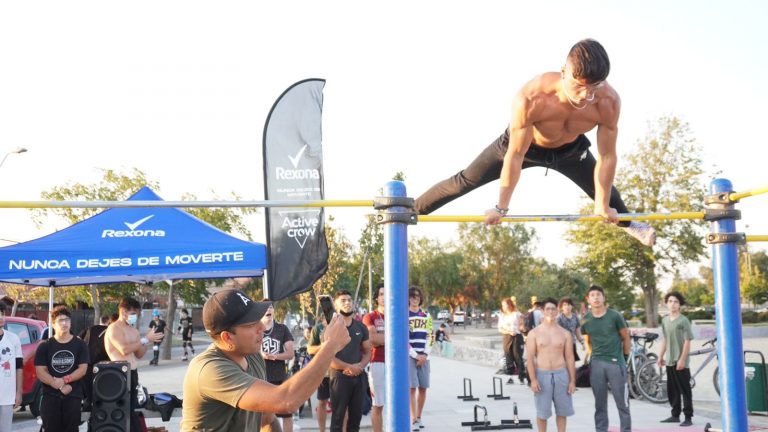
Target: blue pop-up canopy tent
132,245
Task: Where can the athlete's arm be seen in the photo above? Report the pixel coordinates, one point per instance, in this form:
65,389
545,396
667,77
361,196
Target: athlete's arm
605,170
520,136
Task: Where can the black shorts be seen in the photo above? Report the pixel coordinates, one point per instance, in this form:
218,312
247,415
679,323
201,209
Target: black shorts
186,334
324,391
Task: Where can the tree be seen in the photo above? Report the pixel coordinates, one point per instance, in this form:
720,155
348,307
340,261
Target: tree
695,290
434,267
496,260
754,276
663,174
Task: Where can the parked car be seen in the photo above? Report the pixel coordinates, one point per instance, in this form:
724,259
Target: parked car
459,318
443,315
30,333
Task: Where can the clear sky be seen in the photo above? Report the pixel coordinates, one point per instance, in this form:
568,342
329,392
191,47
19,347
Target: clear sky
181,90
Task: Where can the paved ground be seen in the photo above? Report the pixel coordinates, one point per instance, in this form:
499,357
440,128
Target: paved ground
444,412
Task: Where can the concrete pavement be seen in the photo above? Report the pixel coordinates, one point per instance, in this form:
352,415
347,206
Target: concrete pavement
444,412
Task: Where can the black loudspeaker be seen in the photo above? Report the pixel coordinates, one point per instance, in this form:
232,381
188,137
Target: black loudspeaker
111,397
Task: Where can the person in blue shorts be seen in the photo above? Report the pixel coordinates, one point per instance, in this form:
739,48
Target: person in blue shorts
551,368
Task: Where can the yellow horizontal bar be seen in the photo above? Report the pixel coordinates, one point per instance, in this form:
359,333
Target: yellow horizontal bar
184,204
565,218
757,238
739,195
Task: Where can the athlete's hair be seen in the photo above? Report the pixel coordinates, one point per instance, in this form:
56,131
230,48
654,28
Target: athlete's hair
510,304
60,310
676,295
563,301
589,61
596,288
342,293
376,294
129,303
416,291
548,300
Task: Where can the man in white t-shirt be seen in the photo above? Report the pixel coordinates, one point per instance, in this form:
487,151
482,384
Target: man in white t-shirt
11,375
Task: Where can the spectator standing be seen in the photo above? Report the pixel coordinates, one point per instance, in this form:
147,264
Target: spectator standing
160,327
374,321
569,320
420,342
185,327
608,346
60,364
124,343
512,341
276,349
551,368
11,373
348,380
677,345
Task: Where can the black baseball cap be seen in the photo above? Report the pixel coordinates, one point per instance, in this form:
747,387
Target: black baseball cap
229,308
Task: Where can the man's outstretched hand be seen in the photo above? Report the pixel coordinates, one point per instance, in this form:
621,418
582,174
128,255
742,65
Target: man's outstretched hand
609,214
493,217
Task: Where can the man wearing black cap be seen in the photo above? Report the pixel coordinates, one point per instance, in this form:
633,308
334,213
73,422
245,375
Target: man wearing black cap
225,388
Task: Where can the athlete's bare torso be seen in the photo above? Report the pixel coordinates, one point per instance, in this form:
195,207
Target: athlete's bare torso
555,121
120,333
551,342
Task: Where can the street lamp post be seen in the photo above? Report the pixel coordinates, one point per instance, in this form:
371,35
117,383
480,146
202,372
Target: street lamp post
17,150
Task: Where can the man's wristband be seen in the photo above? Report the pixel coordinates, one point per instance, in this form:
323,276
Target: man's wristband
144,341
501,211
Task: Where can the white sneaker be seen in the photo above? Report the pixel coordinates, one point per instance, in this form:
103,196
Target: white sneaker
643,232
416,426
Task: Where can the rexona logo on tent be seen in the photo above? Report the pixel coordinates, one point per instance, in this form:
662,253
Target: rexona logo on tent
132,231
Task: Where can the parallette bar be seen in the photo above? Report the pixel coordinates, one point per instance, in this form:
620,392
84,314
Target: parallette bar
735,196
184,204
565,218
757,238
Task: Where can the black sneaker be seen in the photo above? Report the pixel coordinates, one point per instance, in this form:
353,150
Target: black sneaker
687,422
671,419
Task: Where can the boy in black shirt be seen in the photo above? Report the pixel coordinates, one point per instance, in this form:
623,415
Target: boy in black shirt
185,327
60,363
159,325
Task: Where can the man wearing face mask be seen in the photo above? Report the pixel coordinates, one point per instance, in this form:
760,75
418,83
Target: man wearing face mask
550,116
124,343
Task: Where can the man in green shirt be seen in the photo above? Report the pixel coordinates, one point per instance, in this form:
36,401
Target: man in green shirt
225,388
607,343
677,344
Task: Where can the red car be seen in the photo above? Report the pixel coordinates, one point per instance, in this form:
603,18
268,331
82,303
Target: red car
30,333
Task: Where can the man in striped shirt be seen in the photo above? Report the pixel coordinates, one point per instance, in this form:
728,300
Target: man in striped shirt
420,344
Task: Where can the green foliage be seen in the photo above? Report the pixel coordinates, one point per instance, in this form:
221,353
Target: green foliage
662,174
497,259
434,267
695,291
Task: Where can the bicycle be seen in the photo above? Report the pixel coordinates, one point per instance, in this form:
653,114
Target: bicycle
639,356
652,379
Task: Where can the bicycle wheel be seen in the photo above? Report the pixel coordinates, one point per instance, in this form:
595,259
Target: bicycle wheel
652,357
715,379
652,383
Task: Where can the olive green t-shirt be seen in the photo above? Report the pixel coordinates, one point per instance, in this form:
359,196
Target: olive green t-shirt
604,336
213,387
676,333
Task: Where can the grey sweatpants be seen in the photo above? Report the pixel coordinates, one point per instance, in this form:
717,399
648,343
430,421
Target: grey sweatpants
601,374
